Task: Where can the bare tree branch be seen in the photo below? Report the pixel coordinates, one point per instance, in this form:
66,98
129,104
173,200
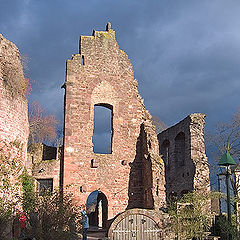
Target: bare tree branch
42,127
159,124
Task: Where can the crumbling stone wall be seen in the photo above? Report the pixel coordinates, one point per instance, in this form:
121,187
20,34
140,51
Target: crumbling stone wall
133,174
44,162
183,151
13,104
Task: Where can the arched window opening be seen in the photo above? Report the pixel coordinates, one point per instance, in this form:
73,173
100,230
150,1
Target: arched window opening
102,132
183,192
180,149
165,152
172,196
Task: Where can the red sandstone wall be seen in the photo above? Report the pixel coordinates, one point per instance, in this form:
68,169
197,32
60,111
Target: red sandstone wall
107,77
13,103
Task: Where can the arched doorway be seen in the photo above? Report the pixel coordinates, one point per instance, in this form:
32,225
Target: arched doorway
97,209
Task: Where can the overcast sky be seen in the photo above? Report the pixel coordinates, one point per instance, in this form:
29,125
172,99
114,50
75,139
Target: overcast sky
185,53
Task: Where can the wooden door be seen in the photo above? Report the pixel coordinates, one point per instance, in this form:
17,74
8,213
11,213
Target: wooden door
137,227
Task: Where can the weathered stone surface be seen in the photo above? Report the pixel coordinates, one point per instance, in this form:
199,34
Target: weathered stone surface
133,174
13,104
44,162
183,150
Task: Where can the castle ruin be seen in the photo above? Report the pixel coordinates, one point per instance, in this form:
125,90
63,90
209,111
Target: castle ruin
132,174
140,169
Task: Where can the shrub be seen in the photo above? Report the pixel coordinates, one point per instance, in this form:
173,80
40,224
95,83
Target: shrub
191,215
59,218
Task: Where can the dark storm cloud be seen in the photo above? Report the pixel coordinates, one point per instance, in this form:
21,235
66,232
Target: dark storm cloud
185,54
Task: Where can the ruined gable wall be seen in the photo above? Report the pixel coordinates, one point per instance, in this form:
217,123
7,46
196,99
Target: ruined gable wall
192,172
105,77
13,103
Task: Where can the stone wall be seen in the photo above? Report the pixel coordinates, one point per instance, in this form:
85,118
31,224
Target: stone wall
44,162
183,151
14,125
132,175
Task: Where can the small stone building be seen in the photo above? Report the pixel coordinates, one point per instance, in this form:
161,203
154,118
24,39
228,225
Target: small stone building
131,173
44,162
183,150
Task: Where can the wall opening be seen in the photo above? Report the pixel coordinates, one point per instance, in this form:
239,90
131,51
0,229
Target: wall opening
97,208
83,62
183,192
180,149
103,131
44,185
172,197
157,190
165,151
49,152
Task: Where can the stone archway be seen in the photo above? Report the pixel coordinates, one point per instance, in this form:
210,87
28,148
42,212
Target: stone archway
97,209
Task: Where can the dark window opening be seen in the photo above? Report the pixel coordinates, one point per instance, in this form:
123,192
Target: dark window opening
94,163
157,190
124,162
44,185
83,62
165,152
172,196
180,149
49,152
103,131
149,144
183,192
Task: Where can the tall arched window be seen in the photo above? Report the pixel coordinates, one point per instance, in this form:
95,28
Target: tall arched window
180,149
165,152
102,132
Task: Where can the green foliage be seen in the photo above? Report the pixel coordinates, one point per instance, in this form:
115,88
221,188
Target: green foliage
28,195
223,228
10,189
191,215
57,217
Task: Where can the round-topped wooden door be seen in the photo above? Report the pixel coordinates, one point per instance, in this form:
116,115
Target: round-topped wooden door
137,227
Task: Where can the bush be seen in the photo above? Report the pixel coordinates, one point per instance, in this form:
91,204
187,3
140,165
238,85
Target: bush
59,218
10,189
223,228
28,192
191,215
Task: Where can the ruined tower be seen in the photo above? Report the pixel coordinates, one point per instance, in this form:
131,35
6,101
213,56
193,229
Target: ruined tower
183,150
131,174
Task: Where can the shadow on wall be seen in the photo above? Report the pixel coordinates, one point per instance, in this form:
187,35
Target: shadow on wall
180,169
140,179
